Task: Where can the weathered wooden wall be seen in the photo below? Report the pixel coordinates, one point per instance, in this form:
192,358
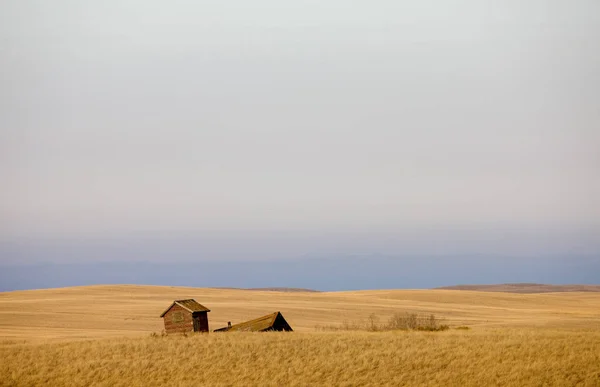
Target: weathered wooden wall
185,325
203,318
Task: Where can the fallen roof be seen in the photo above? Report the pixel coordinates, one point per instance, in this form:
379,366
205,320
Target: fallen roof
273,321
190,305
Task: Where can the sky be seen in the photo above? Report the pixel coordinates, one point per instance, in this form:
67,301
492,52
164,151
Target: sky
271,130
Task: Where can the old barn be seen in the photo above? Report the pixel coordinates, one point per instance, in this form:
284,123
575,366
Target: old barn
186,316
270,322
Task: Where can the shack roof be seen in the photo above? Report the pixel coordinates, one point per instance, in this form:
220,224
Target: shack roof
190,305
264,323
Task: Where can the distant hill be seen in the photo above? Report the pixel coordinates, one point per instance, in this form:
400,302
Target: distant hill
525,288
327,274
272,289
285,290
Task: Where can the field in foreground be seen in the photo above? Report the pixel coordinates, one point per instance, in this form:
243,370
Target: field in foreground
517,357
101,335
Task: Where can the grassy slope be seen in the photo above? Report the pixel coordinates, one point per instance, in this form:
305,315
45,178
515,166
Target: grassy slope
517,339
525,288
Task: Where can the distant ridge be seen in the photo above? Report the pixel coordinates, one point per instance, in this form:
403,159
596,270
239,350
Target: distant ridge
275,289
284,290
525,288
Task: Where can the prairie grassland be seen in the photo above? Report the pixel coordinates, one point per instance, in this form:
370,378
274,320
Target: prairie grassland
101,335
484,357
117,311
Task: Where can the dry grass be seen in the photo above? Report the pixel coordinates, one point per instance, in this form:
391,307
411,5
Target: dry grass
519,357
100,335
398,321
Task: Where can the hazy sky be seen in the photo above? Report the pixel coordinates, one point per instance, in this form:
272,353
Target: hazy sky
182,118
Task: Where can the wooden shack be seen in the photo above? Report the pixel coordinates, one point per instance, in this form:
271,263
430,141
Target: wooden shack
270,322
185,316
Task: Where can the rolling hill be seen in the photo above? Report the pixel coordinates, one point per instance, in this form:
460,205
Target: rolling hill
525,288
111,336
131,310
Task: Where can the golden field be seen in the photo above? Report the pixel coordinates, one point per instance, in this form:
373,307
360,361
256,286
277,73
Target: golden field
100,335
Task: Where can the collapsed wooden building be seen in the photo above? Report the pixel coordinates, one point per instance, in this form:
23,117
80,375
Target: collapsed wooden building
186,316
190,316
270,322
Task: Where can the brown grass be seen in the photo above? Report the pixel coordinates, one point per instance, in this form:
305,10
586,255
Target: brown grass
521,357
101,335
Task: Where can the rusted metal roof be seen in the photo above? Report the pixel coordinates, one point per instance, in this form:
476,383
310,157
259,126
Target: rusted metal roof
273,321
190,305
